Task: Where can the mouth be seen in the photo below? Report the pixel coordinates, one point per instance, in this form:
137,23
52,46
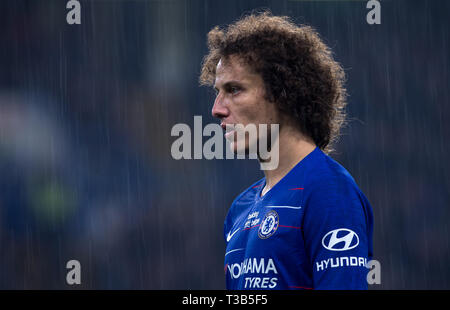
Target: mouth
229,130
229,135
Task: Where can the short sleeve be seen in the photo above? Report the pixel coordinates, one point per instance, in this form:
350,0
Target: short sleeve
337,232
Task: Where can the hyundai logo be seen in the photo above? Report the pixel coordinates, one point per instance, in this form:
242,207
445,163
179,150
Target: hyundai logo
340,239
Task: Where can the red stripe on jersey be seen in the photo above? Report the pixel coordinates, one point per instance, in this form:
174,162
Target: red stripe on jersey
295,227
252,227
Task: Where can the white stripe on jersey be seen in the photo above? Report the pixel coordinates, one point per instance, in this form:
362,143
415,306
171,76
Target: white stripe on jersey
284,207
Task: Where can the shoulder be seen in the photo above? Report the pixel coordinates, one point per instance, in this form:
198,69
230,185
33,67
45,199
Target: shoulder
333,200
331,186
329,176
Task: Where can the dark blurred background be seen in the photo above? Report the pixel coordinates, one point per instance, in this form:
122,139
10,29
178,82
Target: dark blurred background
85,118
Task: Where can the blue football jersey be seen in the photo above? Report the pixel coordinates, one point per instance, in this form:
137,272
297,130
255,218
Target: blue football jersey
312,230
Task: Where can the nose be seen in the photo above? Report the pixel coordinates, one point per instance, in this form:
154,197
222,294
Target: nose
219,110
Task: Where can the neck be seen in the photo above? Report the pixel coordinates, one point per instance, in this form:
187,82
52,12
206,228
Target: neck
293,147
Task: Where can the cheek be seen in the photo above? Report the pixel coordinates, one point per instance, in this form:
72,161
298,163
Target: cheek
244,111
265,113
253,109
273,114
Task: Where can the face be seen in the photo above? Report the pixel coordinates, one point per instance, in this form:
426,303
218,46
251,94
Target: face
240,100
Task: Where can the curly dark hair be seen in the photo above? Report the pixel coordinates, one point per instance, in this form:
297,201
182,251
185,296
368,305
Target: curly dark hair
297,67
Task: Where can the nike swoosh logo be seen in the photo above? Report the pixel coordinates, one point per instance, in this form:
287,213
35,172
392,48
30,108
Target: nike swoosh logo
231,236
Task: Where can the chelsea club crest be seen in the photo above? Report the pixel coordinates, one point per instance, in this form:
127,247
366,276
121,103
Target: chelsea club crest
269,225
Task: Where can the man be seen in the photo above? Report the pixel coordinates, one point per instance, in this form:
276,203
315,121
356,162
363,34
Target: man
306,224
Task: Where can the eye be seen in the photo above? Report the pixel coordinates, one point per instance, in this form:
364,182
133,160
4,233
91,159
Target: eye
234,90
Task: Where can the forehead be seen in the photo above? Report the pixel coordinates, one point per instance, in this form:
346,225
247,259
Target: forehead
232,68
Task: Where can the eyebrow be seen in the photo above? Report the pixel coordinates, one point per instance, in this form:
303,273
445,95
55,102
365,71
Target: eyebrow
229,83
